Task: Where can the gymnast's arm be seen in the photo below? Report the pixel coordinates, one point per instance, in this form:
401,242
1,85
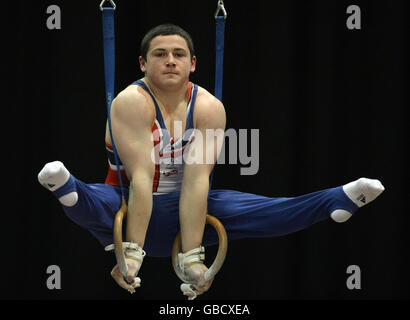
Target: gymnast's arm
132,119
209,114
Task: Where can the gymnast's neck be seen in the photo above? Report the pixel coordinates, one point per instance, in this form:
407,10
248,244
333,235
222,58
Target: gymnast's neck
169,95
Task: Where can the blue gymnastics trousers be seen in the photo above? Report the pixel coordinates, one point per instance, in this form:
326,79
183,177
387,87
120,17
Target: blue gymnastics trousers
244,215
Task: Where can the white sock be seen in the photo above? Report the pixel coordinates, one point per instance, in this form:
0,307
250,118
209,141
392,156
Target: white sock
53,176
361,192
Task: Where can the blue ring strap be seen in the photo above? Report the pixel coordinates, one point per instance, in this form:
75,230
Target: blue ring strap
109,68
219,62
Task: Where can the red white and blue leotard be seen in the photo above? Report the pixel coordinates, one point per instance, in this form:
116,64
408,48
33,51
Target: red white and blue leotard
169,167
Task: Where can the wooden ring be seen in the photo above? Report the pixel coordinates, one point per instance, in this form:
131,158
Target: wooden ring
220,256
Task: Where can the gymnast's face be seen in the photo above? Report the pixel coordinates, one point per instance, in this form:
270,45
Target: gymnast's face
169,61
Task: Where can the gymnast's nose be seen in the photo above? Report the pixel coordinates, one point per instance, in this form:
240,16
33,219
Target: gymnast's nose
170,60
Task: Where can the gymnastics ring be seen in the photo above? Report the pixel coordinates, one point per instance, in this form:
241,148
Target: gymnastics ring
220,256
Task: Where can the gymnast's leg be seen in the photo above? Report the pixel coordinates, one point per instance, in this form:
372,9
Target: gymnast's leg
244,215
247,215
92,206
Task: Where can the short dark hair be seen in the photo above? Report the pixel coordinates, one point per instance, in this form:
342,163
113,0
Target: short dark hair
166,29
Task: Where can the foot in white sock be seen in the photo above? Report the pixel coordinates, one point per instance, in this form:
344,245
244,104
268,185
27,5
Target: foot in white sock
361,192
53,176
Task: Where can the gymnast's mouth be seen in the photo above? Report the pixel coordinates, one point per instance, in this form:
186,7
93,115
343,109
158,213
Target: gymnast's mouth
170,72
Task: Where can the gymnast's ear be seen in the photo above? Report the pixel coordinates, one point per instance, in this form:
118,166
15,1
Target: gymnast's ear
193,63
142,64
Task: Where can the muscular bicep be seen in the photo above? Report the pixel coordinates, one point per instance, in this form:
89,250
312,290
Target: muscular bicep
132,119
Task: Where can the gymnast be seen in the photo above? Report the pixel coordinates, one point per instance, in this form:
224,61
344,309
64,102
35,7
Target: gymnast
159,123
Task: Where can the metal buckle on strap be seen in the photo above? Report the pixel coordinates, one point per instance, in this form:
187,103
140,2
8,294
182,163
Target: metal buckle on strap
111,2
220,6
194,255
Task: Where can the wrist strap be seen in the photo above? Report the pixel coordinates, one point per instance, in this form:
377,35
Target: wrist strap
191,256
131,250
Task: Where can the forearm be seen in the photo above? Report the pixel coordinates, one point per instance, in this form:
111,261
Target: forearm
192,212
139,210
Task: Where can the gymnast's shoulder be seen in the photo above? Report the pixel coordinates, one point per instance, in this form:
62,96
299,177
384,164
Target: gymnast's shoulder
209,110
133,102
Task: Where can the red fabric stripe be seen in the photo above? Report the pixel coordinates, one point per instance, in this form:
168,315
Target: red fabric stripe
156,179
156,134
112,178
190,86
157,140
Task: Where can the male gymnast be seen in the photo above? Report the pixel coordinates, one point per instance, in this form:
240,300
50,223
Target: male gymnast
159,126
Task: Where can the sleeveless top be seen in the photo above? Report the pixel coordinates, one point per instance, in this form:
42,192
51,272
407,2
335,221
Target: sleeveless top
168,153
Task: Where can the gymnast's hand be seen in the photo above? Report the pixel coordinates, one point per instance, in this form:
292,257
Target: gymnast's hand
195,274
132,281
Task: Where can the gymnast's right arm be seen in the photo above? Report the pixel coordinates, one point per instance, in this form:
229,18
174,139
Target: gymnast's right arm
132,119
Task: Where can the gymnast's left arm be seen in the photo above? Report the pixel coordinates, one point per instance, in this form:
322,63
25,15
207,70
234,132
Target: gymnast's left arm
209,122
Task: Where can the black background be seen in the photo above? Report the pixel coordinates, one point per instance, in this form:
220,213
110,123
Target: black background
329,104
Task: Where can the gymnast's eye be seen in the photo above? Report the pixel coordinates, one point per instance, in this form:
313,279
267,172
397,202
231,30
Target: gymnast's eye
179,53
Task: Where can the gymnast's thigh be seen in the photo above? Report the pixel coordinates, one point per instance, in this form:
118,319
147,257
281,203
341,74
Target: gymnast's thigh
243,215
96,208
246,215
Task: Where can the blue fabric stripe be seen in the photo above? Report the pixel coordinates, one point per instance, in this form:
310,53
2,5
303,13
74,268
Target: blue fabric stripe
190,117
66,188
157,109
